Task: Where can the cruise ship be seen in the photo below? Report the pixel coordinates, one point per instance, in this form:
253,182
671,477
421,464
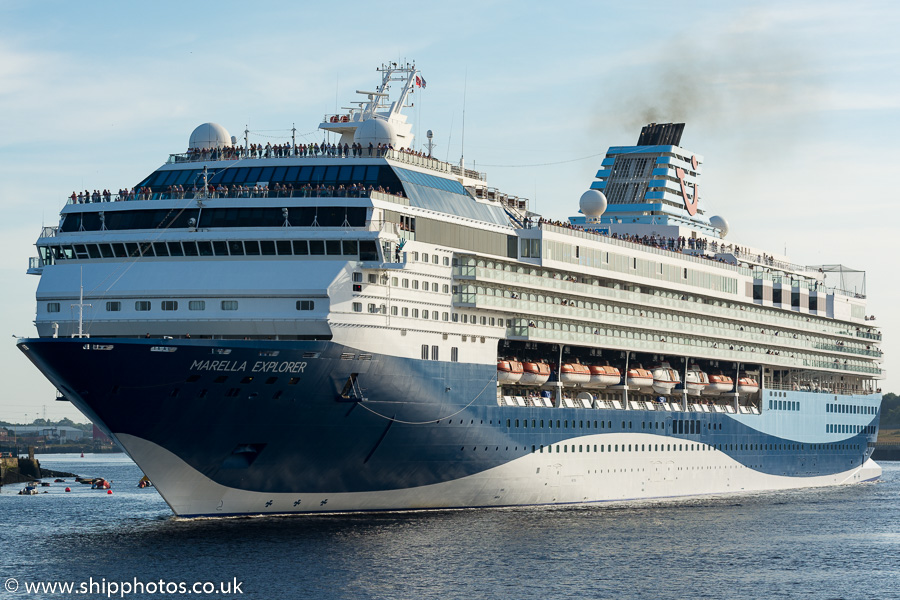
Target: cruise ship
353,325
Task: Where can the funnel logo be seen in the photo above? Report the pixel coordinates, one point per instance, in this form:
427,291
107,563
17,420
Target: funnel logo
689,205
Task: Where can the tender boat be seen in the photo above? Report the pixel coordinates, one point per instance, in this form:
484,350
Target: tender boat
665,378
696,381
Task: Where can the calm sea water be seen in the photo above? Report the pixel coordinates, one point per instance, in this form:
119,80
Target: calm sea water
824,543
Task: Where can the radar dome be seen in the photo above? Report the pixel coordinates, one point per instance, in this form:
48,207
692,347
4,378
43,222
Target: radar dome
592,203
375,131
719,223
210,135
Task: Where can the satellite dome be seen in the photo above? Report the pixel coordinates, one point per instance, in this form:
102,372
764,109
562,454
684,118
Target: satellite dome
592,203
210,135
719,223
375,131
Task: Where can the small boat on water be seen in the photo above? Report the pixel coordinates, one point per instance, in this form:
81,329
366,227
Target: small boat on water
665,378
29,490
603,376
509,371
535,373
696,381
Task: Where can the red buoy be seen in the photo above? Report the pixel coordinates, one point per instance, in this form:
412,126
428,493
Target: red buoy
68,489
109,491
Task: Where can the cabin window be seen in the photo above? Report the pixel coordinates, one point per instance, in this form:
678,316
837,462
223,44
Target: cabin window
197,305
305,305
142,305
229,304
53,307
170,305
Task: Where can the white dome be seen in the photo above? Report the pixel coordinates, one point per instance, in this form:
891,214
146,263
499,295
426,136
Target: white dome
210,135
375,131
592,203
719,223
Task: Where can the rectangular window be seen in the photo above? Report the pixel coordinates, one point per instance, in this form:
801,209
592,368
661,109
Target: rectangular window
406,283
317,247
454,354
113,306
229,304
142,305
306,305
53,307
434,353
424,257
372,308
169,305
415,313
424,351
301,248
357,277
405,312
357,307
373,278
283,247
197,305
333,247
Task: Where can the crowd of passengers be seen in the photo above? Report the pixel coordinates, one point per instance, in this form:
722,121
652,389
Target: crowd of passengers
666,243
177,192
324,149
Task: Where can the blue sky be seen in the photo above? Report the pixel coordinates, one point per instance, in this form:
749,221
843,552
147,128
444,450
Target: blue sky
793,105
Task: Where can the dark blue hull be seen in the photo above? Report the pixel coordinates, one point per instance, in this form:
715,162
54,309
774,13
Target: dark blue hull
280,416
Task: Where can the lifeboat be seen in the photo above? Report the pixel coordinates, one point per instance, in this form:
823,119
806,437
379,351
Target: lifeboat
603,376
719,384
696,381
509,371
747,385
535,373
665,378
638,377
574,374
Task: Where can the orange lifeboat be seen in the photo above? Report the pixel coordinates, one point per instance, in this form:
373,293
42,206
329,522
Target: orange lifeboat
509,371
535,373
719,384
747,385
639,377
603,376
574,374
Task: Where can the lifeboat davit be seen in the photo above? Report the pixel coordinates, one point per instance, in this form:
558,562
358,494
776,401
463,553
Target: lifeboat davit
719,384
509,371
638,377
535,373
747,385
603,376
665,378
696,381
574,374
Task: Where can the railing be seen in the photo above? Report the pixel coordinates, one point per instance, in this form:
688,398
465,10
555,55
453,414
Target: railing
245,192
695,256
240,153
